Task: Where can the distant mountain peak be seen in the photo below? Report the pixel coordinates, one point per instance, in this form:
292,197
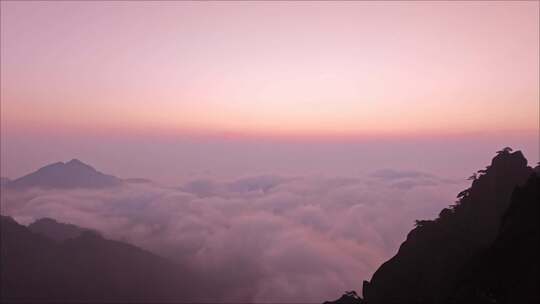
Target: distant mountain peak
72,174
76,162
72,164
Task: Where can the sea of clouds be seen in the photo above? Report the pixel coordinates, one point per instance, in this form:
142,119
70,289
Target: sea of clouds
262,238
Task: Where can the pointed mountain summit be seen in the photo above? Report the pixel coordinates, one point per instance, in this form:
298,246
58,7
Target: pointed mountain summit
69,175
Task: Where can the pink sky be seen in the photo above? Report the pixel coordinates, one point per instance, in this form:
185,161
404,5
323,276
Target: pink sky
294,70
267,68
311,97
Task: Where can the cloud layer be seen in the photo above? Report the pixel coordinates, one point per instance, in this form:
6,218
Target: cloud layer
263,238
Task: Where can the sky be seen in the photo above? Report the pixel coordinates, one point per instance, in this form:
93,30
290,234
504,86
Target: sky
287,69
340,117
161,86
182,80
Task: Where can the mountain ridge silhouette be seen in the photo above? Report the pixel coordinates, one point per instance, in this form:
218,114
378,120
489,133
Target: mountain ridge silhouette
433,264
57,231
69,175
85,268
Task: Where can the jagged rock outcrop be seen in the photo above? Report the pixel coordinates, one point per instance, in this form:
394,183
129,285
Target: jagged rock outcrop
426,267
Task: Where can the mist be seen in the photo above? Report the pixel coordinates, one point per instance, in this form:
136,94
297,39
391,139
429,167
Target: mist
277,152
263,238
172,159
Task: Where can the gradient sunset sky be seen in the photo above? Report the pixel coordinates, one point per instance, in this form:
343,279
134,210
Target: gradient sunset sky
257,69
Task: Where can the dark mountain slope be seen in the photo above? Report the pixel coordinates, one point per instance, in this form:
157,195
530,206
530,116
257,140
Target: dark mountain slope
87,268
426,266
509,271
57,231
70,175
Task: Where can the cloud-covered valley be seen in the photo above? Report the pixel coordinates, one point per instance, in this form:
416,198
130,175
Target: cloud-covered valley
262,238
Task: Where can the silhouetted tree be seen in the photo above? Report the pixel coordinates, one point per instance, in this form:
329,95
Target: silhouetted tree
505,150
446,212
434,252
483,171
421,223
463,193
351,293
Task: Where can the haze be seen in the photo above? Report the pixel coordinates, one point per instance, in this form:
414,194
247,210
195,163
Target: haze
281,70
345,122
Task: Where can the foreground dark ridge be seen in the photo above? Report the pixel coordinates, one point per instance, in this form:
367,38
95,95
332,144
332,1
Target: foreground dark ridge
483,249
56,262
